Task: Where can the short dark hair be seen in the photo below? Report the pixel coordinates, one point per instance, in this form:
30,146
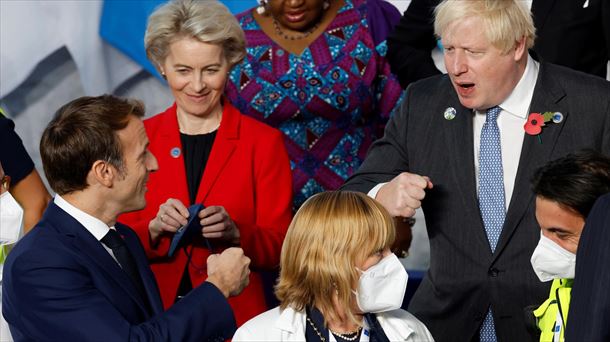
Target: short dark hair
574,181
82,132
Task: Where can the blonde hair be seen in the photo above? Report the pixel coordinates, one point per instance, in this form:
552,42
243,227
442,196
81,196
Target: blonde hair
329,234
505,21
205,20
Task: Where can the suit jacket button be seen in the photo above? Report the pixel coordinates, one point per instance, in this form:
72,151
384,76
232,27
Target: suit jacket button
493,272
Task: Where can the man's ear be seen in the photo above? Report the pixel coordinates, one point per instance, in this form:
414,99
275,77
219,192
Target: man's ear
520,48
102,173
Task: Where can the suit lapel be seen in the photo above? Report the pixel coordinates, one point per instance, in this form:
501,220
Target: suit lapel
536,151
460,144
172,156
92,249
222,150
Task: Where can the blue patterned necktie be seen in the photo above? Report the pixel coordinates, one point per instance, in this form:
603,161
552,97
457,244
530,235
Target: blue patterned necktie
491,196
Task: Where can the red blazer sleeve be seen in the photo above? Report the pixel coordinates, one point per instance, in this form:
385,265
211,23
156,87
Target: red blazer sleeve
262,240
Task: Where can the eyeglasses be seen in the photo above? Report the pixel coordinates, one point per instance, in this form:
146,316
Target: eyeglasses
6,182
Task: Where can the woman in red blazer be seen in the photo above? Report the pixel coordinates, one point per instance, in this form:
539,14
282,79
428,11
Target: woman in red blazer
209,153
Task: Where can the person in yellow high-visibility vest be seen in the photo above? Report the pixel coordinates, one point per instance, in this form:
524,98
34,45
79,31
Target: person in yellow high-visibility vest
566,190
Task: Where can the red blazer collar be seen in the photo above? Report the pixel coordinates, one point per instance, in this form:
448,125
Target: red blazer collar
229,124
224,144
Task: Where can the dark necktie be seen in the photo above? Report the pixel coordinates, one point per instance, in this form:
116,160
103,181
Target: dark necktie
115,242
491,196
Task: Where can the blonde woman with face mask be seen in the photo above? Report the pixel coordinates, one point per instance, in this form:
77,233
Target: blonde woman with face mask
338,279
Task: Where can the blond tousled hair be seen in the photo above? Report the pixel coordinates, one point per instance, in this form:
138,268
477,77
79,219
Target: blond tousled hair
208,21
328,235
506,21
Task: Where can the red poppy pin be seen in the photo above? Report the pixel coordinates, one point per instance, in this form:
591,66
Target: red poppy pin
535,121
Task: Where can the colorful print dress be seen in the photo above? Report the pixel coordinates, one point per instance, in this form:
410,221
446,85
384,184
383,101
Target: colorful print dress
331,102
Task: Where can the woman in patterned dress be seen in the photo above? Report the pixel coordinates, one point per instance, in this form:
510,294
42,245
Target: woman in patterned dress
317,71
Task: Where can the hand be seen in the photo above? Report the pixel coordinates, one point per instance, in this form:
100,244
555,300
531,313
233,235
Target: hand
229,271
217,224
403,194
171,215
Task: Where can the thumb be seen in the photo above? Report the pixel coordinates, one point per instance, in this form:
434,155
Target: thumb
429,184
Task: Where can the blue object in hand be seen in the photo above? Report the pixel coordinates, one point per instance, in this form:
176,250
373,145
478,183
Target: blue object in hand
186,233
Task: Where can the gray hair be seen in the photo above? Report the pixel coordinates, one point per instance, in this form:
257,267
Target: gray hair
505,21
208,21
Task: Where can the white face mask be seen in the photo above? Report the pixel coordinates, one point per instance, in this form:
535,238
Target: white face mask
382,286
11,219
550,261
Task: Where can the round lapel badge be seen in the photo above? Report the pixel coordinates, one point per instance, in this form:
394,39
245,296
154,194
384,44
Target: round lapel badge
175,152
450,113
557,117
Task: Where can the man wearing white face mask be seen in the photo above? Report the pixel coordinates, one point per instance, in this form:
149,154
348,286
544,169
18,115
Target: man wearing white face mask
338,279
566,190
11,224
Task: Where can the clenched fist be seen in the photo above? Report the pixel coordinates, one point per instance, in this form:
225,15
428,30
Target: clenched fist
229,271
403,194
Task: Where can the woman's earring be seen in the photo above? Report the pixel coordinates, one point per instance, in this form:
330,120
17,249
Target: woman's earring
326,4
261,7
161,71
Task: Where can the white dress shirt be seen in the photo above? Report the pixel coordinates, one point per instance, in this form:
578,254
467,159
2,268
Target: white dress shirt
95,226
511,121
512,118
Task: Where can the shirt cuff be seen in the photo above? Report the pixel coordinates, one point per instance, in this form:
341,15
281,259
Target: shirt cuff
373,192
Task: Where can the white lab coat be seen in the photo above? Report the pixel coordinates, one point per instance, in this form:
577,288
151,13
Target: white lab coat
289,325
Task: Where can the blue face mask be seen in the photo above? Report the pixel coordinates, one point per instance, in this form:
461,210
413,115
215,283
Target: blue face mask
382,286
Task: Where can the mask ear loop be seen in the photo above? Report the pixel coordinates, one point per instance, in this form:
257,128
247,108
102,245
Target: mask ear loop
6,182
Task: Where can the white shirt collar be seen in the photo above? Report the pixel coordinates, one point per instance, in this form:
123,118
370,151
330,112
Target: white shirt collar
95,226
291,320
518,102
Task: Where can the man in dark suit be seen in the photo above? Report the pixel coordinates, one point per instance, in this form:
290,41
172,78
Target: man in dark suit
464,146
572,33
81,276
590,306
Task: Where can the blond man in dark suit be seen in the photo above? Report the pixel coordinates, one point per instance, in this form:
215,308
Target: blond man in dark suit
464,146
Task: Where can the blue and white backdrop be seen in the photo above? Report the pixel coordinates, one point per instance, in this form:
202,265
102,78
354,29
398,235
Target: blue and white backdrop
52,51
